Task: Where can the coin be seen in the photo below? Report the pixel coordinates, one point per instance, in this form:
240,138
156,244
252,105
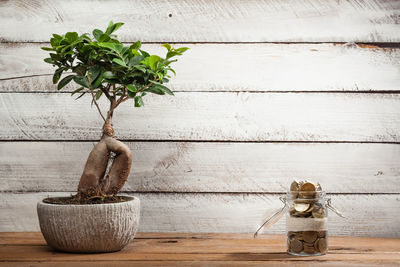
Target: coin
318,213
318,187
307,190
301,207
309,248
309,236
322,245
321,233
307,186
294,186
311,208
296,246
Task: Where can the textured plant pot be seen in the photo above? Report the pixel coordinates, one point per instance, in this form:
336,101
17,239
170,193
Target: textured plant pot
89,228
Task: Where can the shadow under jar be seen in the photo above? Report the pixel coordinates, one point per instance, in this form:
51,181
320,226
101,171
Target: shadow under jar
306,223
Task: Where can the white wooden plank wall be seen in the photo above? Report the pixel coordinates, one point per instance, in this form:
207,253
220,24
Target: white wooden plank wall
270,91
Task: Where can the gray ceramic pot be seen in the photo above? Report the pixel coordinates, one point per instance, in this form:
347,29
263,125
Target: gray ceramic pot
89,228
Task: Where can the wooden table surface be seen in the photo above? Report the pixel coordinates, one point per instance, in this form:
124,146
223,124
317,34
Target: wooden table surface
183,249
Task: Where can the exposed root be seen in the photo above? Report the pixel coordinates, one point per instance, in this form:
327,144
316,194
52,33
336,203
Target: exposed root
94,181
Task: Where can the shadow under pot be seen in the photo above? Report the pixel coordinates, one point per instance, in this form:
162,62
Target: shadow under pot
89,228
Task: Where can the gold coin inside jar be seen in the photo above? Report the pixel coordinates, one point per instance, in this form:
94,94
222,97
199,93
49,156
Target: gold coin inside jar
318,213
309,236
301,207
309,248
321,233
307,186
307,190
322,245
294,186
296,246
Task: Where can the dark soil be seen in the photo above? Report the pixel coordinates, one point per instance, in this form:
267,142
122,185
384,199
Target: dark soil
74,200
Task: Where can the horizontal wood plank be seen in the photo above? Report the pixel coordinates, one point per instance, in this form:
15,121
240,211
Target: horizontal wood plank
367,215
208,116
206,21
161,263
214,251
204,241
209,167
235,67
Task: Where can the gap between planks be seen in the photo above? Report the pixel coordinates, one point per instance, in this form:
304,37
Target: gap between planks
229,21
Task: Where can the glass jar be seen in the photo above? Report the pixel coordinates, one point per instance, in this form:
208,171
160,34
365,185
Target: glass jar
306,222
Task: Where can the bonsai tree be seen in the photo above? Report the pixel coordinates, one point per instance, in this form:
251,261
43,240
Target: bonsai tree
104,67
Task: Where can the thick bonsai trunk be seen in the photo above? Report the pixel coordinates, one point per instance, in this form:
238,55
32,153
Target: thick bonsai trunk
94,180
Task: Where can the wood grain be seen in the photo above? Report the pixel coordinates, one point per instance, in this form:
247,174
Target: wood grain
209,167
208,116
116,263
157,240
235,67
367,215
206,21
213,252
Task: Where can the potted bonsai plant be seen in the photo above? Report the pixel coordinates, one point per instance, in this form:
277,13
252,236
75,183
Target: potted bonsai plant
96,219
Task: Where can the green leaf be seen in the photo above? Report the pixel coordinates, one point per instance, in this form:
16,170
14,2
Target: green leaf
136,45
171,70
159,89
64,81
80,96
55,57
140,68
94,72
108,75
182,49
131,94
71,36
144,53
167,90
163,88
57,75
98,94
55,42
168,46
57,37
117,26
119,62
48,49
131,88
80,70
77,90
108,45
119,48
135,60
96,83
113,27
97,33
135,52
155,90
110,27
49,60
172,54
153,60
85,36
81,80
104,37
138,101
